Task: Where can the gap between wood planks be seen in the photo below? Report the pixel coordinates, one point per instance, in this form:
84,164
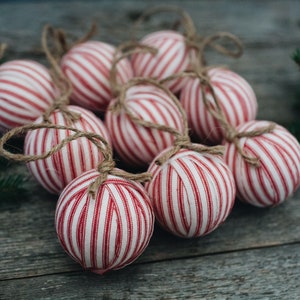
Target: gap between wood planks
217,253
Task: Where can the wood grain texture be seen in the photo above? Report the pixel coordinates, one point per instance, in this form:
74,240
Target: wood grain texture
268,29
253,255
29,245
270,273
257,23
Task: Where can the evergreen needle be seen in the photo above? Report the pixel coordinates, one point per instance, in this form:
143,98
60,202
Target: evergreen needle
12,184
296,56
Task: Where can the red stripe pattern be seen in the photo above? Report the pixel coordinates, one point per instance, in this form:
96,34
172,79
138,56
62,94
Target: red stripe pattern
138,145
192,193
78,156
278,175
26,91
172,58
87,66
108,232
236,98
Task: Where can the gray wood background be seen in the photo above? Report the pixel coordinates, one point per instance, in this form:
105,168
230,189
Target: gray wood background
255,254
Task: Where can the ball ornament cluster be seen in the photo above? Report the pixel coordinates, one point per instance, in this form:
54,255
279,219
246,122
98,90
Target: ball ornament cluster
150,104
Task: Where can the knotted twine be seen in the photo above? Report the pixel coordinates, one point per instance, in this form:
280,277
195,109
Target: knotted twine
200,70
123,51
182,140
59,47
230,133
191,37
106,167
60,81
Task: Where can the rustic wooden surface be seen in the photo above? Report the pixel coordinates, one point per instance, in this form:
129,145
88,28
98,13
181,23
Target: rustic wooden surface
255,254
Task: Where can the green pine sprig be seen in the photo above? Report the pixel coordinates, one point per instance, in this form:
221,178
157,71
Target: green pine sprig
4,164
296,56
12,185
12,180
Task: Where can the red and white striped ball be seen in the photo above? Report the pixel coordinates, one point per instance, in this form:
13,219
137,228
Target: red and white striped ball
26,92
108,232
78,156
192,193
138,145
172,58
87,66
277,176
236,99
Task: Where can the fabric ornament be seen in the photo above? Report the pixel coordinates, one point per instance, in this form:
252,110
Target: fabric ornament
78,156
26,92
134,119
87,66
265,160
104,219
192,193
174,49
236,99
109,231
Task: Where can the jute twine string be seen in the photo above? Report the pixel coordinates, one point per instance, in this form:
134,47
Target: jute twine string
200,62
61,43
182,139
186,21
230,132
62,83
200,70
2,49
123,51
90,33
191,37
106,167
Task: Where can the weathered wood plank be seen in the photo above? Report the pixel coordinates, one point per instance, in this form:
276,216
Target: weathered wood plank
271,273
266,63
29,247
28,244
256,22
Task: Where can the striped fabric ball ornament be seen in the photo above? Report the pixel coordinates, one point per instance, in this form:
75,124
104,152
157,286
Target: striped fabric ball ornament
172,58
192,193
87,66
236,99
26,92
108,232
278,173
137,145
78,156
